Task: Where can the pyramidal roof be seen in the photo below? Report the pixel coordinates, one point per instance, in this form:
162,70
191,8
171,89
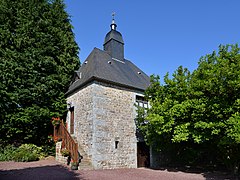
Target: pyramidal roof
101,67
104,66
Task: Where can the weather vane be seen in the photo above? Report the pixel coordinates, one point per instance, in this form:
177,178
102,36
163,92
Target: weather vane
113,25
113,15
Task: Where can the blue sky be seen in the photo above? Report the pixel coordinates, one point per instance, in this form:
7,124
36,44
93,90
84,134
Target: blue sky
159,35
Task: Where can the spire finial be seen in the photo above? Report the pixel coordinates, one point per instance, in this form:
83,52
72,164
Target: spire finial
113,25
113,14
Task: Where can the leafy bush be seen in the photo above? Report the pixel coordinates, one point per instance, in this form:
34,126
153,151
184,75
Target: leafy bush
24,153
28,152
24,156
49,149
7,152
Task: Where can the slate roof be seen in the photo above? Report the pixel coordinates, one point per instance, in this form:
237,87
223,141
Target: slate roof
101,67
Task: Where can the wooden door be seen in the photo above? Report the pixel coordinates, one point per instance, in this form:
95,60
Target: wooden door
71,120
143,155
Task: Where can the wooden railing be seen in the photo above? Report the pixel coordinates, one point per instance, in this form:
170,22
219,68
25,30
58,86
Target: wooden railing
61,133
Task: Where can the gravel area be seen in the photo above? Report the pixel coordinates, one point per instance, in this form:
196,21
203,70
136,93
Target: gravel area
50,169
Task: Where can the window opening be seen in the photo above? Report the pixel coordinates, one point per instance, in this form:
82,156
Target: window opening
116,144
141,102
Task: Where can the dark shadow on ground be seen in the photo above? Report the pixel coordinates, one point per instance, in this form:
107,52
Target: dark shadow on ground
209,175
40,173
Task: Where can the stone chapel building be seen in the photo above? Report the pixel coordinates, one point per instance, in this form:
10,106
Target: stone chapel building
102,113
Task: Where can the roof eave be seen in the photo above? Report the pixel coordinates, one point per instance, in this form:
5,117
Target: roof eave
93,78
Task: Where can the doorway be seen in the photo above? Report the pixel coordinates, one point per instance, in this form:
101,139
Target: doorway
71,120
143,155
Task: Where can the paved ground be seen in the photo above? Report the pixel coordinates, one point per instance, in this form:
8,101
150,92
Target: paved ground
50,169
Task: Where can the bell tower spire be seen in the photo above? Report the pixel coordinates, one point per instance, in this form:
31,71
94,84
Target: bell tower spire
113,43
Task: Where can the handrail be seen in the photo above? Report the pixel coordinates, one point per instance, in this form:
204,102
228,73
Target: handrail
61,132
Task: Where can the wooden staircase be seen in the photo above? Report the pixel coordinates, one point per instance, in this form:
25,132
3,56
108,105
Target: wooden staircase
70,143
61,132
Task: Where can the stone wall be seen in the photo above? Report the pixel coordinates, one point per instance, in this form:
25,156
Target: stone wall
59,157
114,140
104,125
82,101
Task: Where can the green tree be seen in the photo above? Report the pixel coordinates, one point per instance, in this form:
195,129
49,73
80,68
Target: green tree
199,112
38,55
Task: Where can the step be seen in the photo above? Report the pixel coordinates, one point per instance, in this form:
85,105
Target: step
85,163
83,153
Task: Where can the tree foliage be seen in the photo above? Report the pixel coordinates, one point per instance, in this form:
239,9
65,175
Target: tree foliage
199,109
38,55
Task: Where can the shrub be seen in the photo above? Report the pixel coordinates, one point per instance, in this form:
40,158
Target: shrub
28,152
7,152
49,149
24,153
